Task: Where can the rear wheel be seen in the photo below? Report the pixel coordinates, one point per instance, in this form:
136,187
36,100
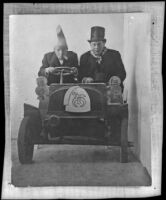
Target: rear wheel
24,142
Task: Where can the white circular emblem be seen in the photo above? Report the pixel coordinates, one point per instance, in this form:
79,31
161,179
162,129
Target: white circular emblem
77,99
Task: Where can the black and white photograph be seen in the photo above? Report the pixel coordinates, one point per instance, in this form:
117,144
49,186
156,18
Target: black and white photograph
81,103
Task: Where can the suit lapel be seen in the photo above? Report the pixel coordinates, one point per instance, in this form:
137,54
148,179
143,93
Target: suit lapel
54,61
93,64
66,62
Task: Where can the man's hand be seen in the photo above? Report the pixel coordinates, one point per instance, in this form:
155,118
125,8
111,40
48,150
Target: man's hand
115,80
87,80
49,69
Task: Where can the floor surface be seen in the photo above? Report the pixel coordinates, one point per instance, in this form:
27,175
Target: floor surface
76,165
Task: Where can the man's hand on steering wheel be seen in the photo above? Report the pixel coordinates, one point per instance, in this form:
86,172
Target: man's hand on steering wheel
49,70
62,71
65,71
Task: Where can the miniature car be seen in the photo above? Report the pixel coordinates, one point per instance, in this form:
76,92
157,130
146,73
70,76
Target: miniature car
76,114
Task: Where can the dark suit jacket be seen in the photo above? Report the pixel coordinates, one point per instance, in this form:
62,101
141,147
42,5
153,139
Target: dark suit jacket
111,65
50,60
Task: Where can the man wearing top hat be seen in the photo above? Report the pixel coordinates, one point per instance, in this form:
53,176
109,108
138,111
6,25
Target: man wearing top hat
100,63
59,57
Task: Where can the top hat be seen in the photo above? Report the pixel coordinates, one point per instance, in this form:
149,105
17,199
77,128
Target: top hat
61,38
97,34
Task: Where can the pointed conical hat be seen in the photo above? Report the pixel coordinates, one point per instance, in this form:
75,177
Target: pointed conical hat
61,40
76,99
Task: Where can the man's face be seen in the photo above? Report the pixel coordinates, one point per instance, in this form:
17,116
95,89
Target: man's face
60,52
97,47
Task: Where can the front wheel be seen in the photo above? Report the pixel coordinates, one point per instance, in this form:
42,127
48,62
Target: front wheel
24,142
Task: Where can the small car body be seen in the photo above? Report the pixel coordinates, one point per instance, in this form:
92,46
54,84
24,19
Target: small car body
85,113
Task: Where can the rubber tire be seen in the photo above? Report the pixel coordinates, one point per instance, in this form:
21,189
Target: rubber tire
24,143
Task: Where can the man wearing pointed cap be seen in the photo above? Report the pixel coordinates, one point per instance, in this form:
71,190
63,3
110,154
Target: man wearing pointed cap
101,63
59,57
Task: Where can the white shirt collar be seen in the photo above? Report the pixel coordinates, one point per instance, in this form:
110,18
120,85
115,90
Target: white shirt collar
99,58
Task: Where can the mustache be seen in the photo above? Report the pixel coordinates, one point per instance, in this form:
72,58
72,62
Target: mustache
97,51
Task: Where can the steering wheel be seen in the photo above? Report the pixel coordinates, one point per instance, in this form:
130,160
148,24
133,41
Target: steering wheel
65,71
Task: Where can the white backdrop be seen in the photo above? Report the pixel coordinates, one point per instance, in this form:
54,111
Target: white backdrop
137,60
